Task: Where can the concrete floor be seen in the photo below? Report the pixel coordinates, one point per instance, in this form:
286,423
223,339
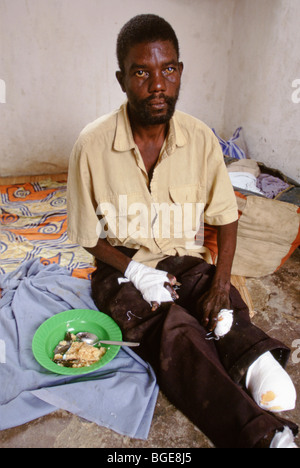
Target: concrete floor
276,301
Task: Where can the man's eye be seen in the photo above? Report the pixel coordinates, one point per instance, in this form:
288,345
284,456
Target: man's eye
140,73
169,70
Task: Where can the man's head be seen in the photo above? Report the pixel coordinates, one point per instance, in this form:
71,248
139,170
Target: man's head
144,28
150,71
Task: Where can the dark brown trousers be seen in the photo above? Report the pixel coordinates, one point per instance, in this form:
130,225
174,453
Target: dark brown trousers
203,378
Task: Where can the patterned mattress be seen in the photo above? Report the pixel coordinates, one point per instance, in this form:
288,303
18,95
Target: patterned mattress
33,224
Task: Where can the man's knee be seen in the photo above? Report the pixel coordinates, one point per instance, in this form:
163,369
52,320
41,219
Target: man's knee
270,385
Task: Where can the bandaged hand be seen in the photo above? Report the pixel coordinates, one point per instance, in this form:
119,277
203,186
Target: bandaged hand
156,286
210,304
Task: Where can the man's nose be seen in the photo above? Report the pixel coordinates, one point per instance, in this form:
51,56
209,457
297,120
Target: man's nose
157,83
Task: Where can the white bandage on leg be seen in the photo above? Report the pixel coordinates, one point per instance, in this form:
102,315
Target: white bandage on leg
149,281
270,386
284,439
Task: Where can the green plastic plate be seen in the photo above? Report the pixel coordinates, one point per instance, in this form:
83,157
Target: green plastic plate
51,332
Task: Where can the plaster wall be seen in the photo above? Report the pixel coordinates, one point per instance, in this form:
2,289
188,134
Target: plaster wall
57,73
263,92
57,58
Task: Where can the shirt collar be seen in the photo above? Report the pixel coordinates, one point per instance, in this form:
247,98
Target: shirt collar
124,138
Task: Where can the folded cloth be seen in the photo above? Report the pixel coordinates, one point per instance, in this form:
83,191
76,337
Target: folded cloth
245,165
120,396
244,180
271,186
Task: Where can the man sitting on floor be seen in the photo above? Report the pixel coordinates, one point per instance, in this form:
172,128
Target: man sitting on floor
140,181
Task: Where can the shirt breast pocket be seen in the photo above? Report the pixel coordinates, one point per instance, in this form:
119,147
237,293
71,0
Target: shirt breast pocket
188,193
188,203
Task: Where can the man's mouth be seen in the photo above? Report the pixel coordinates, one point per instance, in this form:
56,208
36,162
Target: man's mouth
157,108
158,104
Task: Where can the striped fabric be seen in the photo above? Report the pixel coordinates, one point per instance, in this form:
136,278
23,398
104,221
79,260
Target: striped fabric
230,148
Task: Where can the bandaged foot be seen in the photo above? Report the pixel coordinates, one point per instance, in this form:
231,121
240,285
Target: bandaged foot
283,439
150,282
270,386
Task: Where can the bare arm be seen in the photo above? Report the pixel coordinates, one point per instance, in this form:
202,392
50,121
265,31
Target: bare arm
217,297
227,236
106,253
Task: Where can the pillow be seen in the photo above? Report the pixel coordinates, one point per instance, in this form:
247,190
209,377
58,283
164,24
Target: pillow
268,234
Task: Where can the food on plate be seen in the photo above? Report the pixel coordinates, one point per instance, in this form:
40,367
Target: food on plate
72,353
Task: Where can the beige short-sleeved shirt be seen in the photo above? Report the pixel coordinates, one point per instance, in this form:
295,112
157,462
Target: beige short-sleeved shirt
110,194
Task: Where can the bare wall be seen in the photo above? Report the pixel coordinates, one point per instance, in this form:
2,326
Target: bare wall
57,58
57,61
264,64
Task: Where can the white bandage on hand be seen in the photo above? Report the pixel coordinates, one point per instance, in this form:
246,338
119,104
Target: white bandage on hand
149,281
224,323
270,386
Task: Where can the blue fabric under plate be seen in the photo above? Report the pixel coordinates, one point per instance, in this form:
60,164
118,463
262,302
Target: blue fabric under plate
120,396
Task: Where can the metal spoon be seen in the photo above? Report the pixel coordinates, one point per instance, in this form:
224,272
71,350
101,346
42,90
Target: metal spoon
93,340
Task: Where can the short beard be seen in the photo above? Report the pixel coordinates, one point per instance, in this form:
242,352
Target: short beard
143,113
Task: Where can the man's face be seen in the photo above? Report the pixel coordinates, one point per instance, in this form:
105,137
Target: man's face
151,80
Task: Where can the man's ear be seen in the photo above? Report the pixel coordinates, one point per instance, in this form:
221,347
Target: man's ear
119,76
180,67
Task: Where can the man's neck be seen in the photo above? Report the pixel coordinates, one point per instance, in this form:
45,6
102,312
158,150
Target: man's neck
150,140
152,134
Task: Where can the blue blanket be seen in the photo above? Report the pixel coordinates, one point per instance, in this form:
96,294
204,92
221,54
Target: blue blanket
120,396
